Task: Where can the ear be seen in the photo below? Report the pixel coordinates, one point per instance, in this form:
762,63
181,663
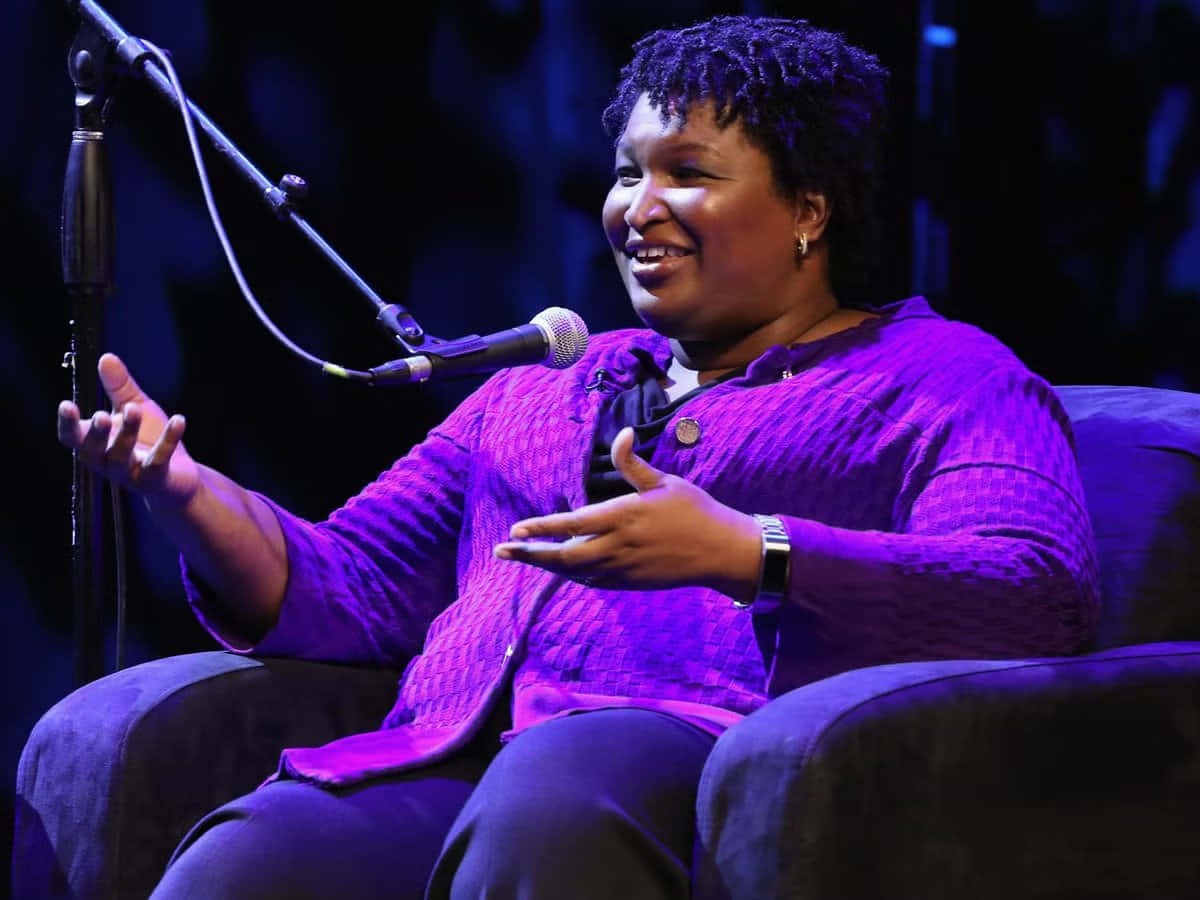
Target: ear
812,214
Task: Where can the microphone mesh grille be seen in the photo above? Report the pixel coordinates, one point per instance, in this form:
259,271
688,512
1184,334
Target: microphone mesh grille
567,336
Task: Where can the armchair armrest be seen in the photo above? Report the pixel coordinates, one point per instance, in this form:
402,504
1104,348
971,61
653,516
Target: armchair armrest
1072,777
114,774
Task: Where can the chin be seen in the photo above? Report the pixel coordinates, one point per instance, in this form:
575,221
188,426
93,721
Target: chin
658,316
674,324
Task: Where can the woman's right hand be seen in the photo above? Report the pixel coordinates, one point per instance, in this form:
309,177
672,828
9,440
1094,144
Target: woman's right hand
137,446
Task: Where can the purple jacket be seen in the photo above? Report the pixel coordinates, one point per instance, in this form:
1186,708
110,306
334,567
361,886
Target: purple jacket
926,477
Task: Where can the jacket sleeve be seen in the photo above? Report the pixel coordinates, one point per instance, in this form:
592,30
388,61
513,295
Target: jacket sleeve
364,584
991,553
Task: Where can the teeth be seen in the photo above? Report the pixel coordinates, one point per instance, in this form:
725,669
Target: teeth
645,254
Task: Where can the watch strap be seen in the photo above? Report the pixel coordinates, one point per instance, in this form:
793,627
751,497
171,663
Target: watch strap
776,565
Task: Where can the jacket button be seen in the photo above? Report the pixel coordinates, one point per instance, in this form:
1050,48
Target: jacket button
687,431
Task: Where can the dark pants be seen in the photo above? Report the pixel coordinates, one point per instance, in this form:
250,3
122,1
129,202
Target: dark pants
598,804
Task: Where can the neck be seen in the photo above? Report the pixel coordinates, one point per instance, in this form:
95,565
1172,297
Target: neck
710,359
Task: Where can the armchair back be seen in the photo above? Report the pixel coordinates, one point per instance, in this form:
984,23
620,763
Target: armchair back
1139,455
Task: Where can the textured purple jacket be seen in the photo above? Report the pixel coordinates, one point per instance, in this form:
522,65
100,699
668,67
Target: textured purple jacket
926,477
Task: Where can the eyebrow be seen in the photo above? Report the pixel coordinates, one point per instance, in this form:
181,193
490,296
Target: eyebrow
624,147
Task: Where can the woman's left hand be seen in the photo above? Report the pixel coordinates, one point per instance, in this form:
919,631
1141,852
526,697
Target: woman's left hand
668,534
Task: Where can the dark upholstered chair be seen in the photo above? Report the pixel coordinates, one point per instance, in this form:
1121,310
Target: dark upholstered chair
1050,778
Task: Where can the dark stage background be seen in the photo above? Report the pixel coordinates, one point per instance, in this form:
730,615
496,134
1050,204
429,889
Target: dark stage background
1044,184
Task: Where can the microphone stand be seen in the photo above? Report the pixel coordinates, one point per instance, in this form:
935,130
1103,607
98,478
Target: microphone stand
101,53
87,265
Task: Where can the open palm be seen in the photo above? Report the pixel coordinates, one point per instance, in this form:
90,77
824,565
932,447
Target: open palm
136,446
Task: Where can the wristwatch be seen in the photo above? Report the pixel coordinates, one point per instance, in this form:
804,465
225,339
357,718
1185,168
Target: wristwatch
776,562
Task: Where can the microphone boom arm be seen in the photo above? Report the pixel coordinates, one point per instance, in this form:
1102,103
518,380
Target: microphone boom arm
396,321
101,53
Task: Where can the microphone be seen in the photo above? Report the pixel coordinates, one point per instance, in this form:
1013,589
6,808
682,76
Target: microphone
556,338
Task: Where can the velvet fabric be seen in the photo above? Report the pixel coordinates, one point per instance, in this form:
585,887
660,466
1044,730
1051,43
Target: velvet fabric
1059,778
1139,457
1050,777
114,774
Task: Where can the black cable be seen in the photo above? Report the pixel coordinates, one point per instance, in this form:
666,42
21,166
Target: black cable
329,368
120,552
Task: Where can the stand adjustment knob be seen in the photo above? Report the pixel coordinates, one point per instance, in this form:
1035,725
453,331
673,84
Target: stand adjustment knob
284,197
294,188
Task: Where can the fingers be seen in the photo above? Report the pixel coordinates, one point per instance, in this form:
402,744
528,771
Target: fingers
135,444
636,471
92,439
160,453
121,449
585,521
70,429
117,382
95,439
576,558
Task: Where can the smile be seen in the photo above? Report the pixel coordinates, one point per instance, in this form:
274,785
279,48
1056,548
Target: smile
649,254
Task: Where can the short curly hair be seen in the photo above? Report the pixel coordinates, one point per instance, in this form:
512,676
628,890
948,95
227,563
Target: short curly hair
812,102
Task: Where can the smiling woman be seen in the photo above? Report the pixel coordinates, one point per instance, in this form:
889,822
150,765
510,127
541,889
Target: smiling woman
592,573
705,242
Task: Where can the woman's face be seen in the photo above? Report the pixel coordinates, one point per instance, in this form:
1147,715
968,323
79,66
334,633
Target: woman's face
704,242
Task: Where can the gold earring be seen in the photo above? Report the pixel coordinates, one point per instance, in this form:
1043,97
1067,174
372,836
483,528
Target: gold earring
802,245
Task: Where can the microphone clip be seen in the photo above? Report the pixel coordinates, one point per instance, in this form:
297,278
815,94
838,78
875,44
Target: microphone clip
419,367
400,326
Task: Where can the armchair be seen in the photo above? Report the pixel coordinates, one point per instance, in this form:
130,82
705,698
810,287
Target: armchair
1030,778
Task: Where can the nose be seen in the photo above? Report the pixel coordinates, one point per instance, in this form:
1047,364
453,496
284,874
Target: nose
645,206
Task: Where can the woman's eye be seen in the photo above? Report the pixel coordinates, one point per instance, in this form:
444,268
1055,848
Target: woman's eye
627,175
687,173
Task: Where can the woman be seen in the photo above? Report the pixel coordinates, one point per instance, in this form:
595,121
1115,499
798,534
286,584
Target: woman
603,568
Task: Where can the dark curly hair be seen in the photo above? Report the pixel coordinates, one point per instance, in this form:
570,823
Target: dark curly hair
812,102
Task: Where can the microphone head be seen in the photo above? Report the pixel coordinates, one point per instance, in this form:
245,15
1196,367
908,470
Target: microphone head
566,336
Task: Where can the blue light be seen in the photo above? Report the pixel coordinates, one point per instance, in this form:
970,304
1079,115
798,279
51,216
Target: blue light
940,36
